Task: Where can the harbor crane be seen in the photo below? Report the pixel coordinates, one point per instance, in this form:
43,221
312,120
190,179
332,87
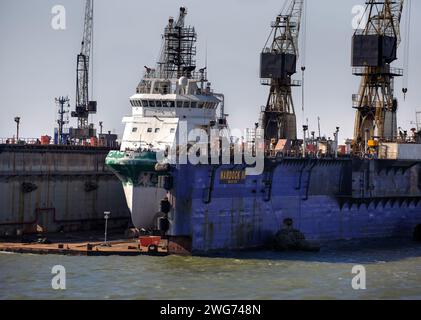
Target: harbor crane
374,48
84,106
278,63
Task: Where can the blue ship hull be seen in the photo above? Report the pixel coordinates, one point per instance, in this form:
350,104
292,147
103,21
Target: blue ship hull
327,199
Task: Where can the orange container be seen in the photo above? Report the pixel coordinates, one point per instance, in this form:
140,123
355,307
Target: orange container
146,241
45,140
94,141
342,149
311,148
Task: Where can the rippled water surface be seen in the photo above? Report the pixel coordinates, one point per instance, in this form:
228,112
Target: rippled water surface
393,272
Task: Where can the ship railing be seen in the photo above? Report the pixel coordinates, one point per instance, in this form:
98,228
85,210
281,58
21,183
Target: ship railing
37,141
389,32
20,141
268,82
385,70
297,154
402,139
171,75
357,98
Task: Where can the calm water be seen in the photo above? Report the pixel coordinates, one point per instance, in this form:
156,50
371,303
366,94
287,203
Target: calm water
393,272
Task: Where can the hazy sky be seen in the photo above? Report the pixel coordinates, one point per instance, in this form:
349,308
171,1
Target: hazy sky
38,63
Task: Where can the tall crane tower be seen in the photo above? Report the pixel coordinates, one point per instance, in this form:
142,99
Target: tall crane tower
278,63
374,48
84,107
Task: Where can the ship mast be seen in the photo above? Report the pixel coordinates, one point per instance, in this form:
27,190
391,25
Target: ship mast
278,64
179,49
374,48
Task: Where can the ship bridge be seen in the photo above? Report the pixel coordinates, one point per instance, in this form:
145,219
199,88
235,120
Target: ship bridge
157,102
160,105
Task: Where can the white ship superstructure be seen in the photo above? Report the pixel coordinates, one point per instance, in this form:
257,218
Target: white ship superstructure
171,97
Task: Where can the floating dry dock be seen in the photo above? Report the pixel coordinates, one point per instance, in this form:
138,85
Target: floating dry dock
48,188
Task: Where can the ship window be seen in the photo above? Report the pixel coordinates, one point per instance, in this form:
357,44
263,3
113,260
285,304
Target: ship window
200,105
165,88
169,104
134,129
145,103
149,130
193,104
156,130
151,103
179,104
172,130
186,104
158,104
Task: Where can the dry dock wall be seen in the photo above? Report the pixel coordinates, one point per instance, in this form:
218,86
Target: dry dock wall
57,188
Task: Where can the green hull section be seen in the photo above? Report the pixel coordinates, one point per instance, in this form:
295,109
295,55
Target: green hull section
133,169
